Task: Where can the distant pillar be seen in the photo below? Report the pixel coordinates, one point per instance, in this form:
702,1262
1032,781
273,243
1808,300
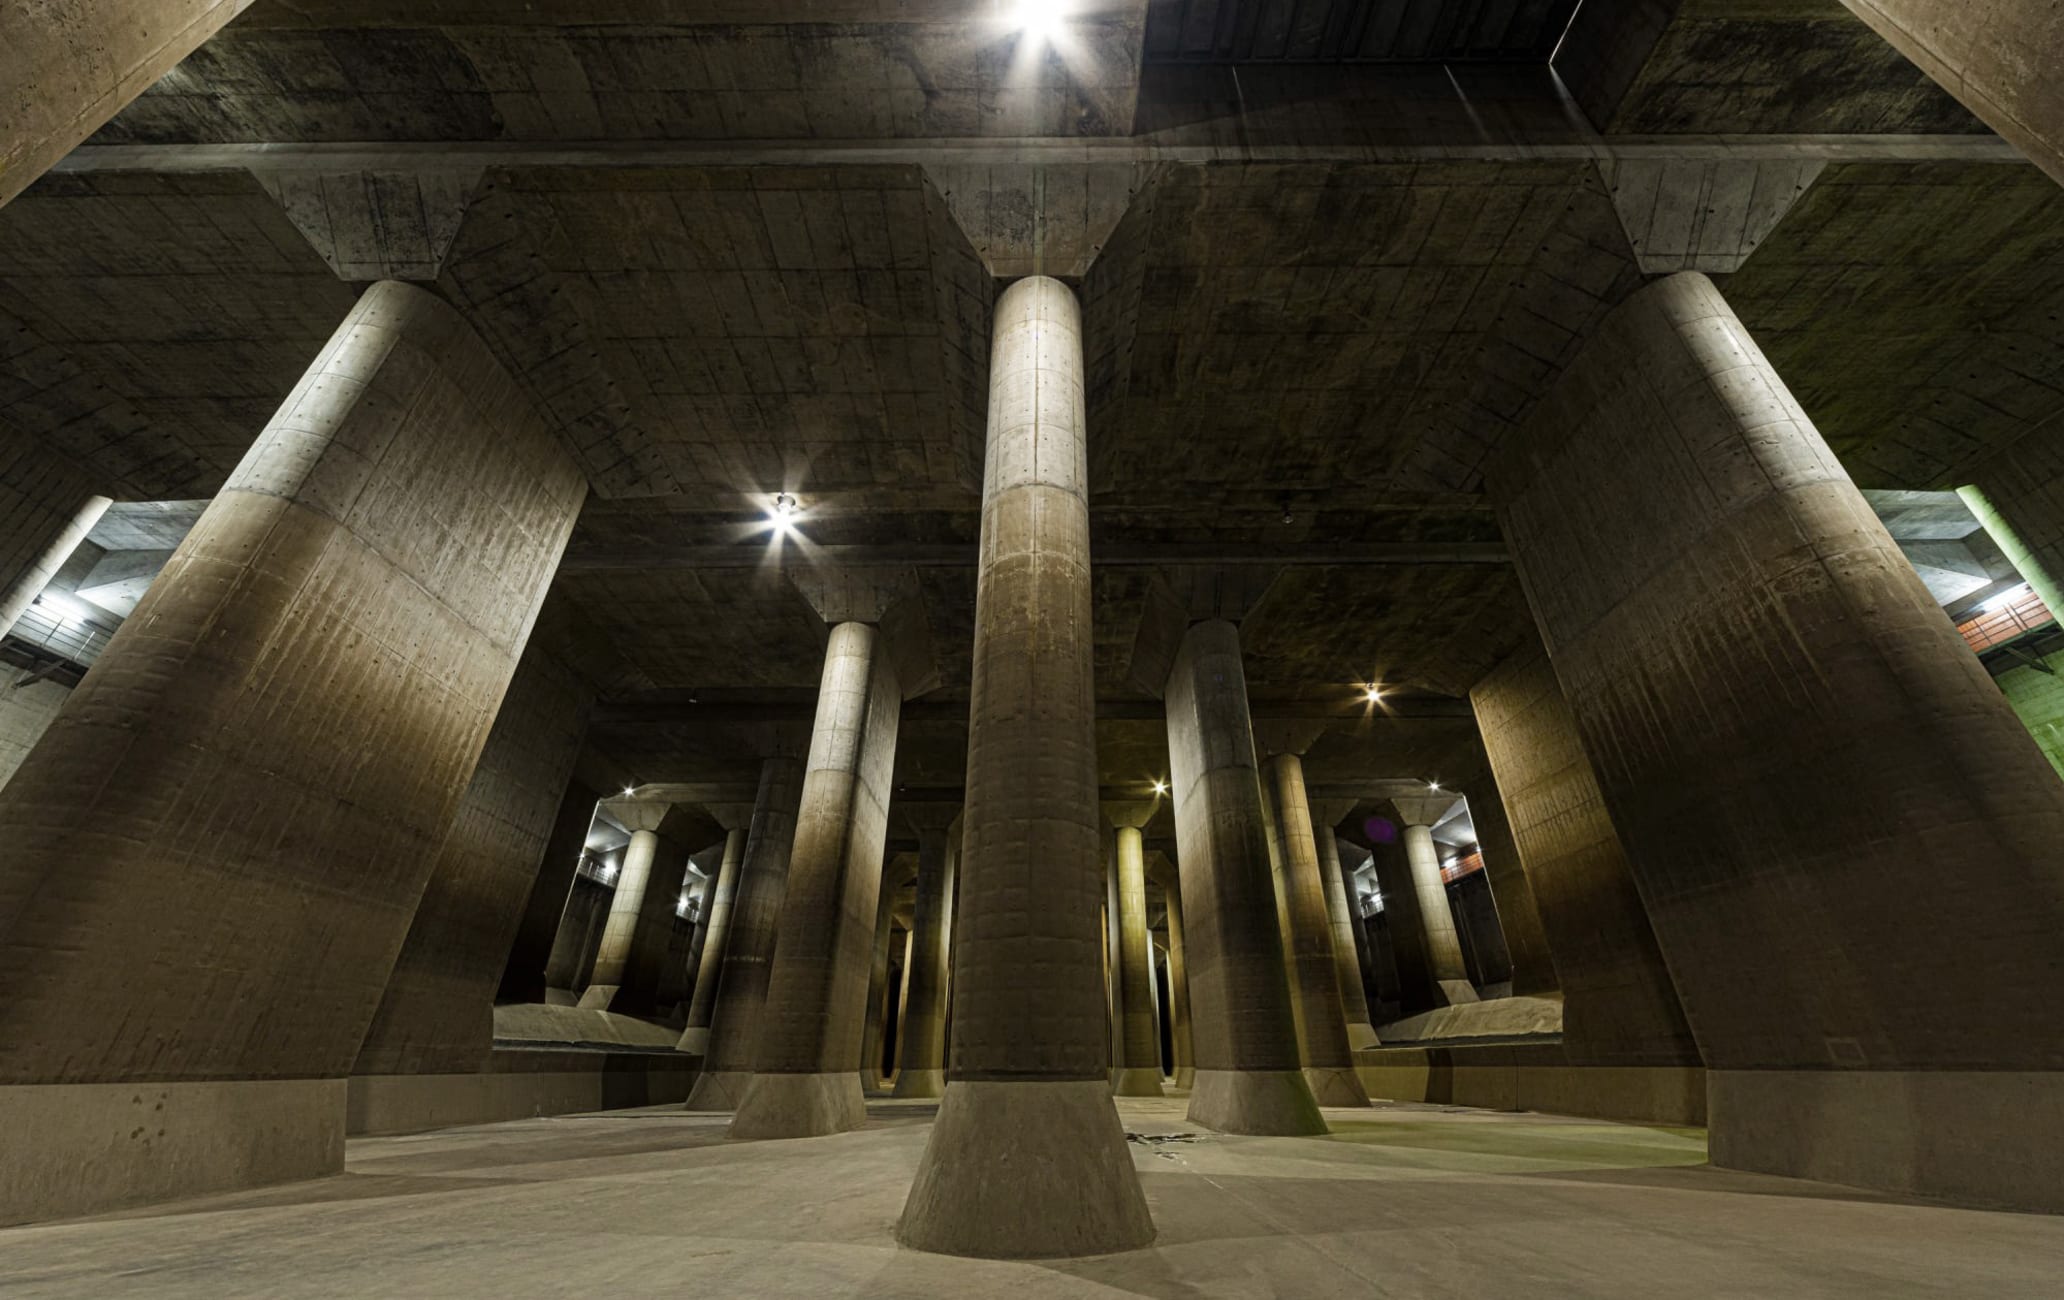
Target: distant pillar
627,905
1250,1074
1347,965
716,922
525,978
1320,1006
872,1051
806,1067
1179,991
921,1037
1026,1090
1140,1076
2016,508
1442,946
742,975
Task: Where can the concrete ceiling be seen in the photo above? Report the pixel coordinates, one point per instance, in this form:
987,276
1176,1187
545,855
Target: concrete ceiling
1317,287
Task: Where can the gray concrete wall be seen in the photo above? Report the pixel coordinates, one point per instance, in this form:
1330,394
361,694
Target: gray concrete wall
1619,1006
26,711
215,855
1844,837
437,1015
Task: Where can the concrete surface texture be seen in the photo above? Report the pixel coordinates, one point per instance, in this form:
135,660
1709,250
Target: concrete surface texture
1402,1200
1817,656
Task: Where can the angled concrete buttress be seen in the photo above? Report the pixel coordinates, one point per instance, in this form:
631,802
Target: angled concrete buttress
1250,1074
806,1065
1347,964
1140,1073
62,77
742,977
1803,758
47,506
921,1034
716,921
1028,1157
1319,1007
213,856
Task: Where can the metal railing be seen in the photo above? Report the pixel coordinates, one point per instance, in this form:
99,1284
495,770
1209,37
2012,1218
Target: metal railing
67,638
2004,620
1466,864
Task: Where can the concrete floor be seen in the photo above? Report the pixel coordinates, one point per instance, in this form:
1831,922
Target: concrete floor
1403,1201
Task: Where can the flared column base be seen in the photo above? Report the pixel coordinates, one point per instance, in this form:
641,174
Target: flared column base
1026,1170
1144,1082
800,1105
1336,1086
913,1082
719,1091
1260,1102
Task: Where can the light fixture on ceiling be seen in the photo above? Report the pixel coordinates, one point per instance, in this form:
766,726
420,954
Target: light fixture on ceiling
1160,787
1373,692
1433,786
782,514
2004,599
629,790
1041,20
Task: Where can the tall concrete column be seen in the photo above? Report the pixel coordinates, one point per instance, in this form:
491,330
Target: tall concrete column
1347,964
1440,944
1319,1007
1802,758
47,515
289,720
921,1037
1113,961
742,975
806,1068
877,1026
2013,503
627,905
1140,1075
1026,1090
1179,991
1250,1074
716,924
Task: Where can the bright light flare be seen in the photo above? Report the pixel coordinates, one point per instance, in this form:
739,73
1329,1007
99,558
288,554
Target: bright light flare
1373,693
1041,20
1160,787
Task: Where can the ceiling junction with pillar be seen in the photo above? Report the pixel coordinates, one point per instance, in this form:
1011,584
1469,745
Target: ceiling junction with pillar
1343,269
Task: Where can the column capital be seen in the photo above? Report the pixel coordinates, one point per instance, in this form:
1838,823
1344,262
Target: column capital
1293,736
928,819
1425,810
1132,814
1329,813
730,816
636,814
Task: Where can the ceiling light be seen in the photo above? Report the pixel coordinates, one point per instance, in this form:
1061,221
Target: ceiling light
2004,599
628,790
1160,787
782,514
1373,692
1433,785
1041,20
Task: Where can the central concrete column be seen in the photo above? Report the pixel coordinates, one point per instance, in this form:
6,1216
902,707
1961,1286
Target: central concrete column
1250,1074
1347,965
1442,945
1140,1075
620,932
871,1053
921,1036
1319,1007
716,921
1027,1089
742,977
806,1070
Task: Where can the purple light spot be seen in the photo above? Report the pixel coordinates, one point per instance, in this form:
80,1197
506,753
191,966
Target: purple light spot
1380,830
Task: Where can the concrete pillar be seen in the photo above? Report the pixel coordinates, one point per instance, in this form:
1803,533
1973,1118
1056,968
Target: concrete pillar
1250,1076
1994,56
437,1014
1113,961
1027,1089
65,74
1140,1076
627,906
289,721
871,1050
566,970
1802,758
1519,913
1619,1007
1439,943
806,1067
742,975
39,534
1319,1008
524,978
921,1037
2013,503
1347,965
716,923
1179,992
